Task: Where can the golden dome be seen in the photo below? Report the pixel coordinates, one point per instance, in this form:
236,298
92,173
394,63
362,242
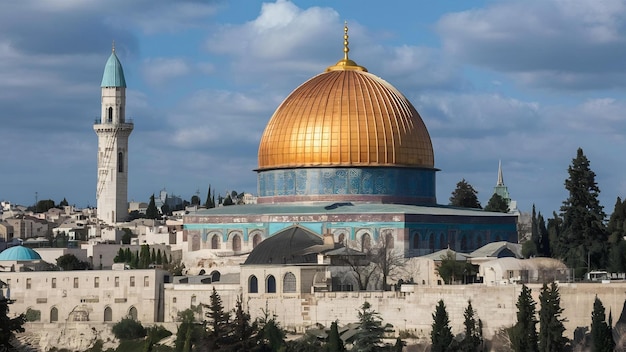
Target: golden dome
345,117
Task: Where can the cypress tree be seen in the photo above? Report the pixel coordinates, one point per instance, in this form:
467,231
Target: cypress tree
551,326
523,334
334,342
159,258
601,332
219,333
243,330
473,330
441,333
152,212
583,238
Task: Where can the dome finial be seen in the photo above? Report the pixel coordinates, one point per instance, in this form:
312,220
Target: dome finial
345,63
113,46
345,40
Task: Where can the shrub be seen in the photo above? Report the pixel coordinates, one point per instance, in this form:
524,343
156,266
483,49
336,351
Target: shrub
32,315
128,329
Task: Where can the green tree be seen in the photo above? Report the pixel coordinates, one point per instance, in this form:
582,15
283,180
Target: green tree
189,331
271,335
465,196
441,333
218,321
144,257
583,239
544,238
452,270
551,326
523,334
44,205
370,333
127,329
228,201
120,257
601,332
152,212
210,199
497,204
473,331
243,338
195,200
334,342
8,326
71,262
63,203
159,257
616,232
127,236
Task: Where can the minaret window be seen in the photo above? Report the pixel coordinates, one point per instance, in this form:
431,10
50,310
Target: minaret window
120,162
110,114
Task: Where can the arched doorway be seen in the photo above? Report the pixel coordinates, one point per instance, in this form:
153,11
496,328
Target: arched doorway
215,276
366,242
215,242
256,239
108,314
132,313
54,315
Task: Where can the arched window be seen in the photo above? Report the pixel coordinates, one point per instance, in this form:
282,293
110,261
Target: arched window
195,243
342,238
132,313
431,242
442,241
464,243
479,241
289,283
389,240
215,241
120,162
236,243
215,276
110,115
270,284
366,242
498,238
256,239
416,240
253,284
54,315
108,314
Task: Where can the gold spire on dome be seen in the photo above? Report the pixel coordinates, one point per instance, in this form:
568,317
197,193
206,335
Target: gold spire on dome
345,63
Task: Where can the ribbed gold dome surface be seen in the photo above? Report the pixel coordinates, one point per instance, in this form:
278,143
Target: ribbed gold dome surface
345,117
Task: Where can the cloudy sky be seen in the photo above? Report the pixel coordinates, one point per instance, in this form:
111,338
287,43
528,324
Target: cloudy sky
526,82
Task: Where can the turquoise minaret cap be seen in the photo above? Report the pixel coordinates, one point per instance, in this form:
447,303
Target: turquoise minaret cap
113,73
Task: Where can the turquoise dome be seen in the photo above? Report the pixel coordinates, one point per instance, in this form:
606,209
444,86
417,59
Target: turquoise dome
19,253
113,73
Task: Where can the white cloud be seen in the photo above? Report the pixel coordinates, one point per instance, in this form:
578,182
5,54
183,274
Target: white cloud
159,71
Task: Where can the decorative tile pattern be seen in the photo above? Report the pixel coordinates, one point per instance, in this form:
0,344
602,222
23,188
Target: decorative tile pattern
356,181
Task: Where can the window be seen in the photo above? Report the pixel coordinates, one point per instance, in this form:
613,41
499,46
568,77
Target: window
289,283
193,300
416,240
96,282
54,282
236,243
270,284
117,281
75,282
256,240
215,276
28,282
173,299
431,242
132,281
110,115
215,242
132,313
146,281
120,162
253,284
366,242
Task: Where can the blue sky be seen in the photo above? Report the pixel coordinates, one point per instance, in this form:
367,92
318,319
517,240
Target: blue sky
526,82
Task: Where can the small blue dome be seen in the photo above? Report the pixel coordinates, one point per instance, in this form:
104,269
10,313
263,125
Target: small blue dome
19,253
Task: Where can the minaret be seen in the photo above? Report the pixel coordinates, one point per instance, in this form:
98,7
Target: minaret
113,131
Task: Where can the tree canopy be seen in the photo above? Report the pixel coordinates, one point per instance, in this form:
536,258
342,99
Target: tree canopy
8,326
582,242
497,204
523,334
465,196
551,326
441,333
